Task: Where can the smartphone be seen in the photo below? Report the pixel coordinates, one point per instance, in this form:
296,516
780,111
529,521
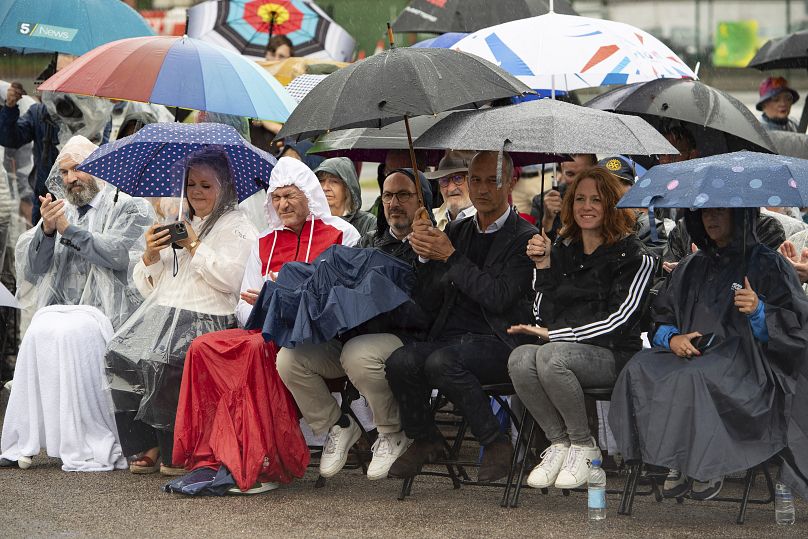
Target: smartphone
704,342
177,231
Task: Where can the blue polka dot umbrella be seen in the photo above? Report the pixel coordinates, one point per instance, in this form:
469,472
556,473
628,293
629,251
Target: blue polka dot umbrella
730,180
151,163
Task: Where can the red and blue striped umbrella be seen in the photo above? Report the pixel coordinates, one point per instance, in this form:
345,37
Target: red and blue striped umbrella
176,72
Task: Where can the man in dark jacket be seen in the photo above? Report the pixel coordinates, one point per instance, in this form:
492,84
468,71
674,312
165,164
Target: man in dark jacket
476,278
361,355
341,187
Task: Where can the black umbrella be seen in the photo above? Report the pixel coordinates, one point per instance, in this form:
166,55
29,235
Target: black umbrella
397,84
432,17
719,122
786,52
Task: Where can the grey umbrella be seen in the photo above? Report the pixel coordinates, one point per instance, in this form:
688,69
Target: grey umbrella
719,122
545,126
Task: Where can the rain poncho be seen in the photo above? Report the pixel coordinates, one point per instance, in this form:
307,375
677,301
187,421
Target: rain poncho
743,400
343,168
79,282
234,409
186,296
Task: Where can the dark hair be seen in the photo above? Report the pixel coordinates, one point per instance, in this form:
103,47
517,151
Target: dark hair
216,160
278,41
591,159
617,223
679,134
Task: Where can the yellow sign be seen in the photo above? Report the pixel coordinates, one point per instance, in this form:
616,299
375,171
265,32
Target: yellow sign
736,43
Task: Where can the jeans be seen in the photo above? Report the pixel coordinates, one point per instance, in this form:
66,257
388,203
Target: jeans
457,366
549,379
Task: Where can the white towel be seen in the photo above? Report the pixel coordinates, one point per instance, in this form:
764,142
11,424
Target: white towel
59,397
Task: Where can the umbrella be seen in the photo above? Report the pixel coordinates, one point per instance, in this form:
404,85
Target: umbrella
719,122
67,26
733,180
545,126
149,163
344,288
443,41
246,26
396,84
302,85
176,72
788,52
791,144
565,52
440,17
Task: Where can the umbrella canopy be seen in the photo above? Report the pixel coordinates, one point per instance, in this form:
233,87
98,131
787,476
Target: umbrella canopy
720,122
733,180
786,52
176,72
344,288
147,163
67,26
431,17
444,41
791,144
398,83
545,126
246,26
302,85
565,52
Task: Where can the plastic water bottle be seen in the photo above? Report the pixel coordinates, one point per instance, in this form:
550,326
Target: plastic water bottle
597,492
783,505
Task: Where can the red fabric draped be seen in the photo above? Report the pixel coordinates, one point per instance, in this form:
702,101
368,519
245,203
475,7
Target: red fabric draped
234,410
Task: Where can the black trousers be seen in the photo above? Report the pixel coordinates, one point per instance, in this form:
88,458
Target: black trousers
137,437
458,367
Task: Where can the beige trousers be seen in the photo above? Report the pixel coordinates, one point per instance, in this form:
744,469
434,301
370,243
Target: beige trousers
305,368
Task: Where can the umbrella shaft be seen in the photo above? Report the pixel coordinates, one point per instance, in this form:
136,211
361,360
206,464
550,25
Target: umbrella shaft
414,161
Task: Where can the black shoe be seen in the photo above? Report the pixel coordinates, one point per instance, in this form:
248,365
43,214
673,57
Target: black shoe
496,462
706,490
421,452
5,463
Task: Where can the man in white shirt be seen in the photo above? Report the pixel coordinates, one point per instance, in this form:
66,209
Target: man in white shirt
452,175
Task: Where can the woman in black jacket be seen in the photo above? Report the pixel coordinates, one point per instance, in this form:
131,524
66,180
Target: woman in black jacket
588,304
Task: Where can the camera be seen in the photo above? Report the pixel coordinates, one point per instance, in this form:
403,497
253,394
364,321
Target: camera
66,107
176,231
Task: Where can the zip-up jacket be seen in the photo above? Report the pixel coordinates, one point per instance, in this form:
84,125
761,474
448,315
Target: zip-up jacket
596,299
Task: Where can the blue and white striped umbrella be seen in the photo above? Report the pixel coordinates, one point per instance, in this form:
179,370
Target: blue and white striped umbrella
150,163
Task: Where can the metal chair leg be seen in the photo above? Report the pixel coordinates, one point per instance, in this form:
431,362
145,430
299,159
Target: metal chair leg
523,467
747,488
629,489
514,462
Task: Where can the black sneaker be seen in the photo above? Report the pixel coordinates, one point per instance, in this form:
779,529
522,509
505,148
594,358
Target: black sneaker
421,452
676,484
5,463
706,490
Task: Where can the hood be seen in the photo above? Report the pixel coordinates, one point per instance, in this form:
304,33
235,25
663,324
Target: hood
343,168
740,217
290,171
78,148
381,221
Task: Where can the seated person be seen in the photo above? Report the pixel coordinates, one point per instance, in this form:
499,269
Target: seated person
305,367
710,407
78,261
475,280
452,177
190,289
591,286
341,187
233,408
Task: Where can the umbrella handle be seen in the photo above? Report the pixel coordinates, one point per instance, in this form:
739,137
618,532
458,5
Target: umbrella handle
390,35
418,191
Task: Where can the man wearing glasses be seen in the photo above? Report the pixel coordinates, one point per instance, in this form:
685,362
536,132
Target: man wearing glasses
452,176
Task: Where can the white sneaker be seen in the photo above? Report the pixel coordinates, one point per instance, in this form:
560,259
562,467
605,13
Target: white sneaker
257,488
24,462
386,449
544,475
337,444
575,470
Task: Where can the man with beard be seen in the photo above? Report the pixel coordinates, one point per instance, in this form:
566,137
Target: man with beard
77,261
452,176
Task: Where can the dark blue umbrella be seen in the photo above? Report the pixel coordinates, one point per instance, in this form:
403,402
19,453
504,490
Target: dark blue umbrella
344,288
732,180
150,162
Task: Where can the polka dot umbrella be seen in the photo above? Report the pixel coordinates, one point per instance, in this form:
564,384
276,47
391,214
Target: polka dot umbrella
150,163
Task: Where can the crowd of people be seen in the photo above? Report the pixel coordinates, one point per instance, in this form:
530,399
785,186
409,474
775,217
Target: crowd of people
137,354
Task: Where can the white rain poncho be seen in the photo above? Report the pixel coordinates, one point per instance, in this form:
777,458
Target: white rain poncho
79,282
78,115
186,296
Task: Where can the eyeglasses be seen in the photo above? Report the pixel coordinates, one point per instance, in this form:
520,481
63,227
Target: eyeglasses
402,196
456,179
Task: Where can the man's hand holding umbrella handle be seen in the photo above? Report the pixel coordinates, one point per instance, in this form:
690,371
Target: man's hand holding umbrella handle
538,250
746,299
429,242
53,215
155,242
682,345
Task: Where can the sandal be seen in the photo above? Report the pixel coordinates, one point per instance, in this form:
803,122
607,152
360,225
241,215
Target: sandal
150,466
172,471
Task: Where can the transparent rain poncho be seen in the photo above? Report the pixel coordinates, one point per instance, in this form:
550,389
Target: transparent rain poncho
187,294
91,261
78,115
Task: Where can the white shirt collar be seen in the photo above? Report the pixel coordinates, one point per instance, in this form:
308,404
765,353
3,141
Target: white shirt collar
496,225
390,231
462,214
96,201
